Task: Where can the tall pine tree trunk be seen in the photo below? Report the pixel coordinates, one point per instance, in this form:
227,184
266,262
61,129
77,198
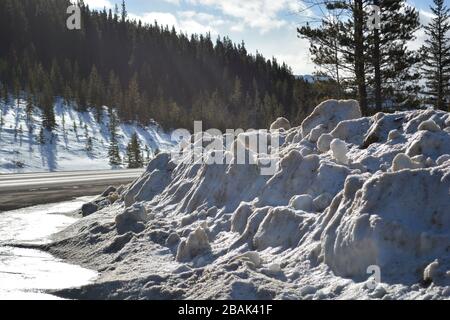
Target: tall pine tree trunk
377,64
360,71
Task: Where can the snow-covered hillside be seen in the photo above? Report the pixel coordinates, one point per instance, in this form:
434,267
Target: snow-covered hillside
358,208
20,150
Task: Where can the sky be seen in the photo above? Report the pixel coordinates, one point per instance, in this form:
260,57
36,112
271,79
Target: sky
266,26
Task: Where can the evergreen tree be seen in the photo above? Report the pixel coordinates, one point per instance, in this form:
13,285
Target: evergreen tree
392,67
46,103
373,61
147,154
41,137
107,63
124,11
29,108
134,156
436,56
75,129
95,92
16,89
89,145
113,150
4,95
133,100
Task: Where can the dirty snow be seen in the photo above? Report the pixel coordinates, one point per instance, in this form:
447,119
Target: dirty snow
331,213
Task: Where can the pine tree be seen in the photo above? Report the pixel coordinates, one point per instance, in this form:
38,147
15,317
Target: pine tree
113,151
124,11
436,56
89,145
377,63
29,108
133,101
16,88
20,131
147,154
325,48
4,95
46,103
95,92
134,156
75,129
392,66
41,137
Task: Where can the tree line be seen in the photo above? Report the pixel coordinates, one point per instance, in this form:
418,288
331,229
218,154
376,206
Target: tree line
144,71
373,61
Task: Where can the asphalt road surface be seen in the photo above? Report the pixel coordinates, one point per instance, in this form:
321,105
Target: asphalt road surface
24,190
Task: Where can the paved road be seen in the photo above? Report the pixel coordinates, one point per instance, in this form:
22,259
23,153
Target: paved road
23,190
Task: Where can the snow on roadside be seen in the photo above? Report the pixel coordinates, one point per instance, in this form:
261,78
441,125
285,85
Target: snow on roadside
350,196
26,274
20,151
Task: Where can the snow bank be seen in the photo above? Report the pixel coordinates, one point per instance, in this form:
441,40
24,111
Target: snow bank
348,195
398,221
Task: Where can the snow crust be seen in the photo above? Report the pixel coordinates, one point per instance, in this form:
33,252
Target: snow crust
314,230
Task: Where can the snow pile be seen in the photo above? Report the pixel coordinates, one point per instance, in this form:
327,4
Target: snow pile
21,151
280,123
349,195
398,221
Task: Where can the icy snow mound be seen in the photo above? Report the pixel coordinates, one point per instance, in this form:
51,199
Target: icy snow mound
348,194
394,220
329,113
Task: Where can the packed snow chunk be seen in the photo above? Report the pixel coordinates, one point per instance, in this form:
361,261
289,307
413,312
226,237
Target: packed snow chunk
402,162
274,268
340,150
196,244
429,144
173,239
329,114
316,133
131,219
240,217
322,202
324,142
281,228
89,208
443,159
108,191
352,131
394,135
280,123
429,125
113,197
397,221
251,257
303,203
431,271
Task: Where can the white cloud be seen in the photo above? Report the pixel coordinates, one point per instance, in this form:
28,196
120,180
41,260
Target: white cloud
163,18
186,21
98,4
264,15
177,2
